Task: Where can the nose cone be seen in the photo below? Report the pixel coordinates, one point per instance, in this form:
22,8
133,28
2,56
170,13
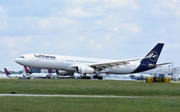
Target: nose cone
17,60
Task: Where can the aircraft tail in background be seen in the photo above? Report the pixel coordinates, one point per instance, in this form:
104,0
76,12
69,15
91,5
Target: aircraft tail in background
7,72
50,71
27,70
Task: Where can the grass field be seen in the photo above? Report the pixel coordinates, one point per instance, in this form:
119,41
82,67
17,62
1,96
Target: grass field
158,96
62,104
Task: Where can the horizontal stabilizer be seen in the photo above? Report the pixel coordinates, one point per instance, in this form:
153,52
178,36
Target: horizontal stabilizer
164,64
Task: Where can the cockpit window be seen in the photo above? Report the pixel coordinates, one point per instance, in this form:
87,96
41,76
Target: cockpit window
21,57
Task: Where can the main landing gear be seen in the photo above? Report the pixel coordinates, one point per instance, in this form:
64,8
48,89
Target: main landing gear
95,77
98,77
85,77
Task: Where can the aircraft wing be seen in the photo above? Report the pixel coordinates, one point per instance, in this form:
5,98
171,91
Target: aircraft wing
104,65
113,63
109,64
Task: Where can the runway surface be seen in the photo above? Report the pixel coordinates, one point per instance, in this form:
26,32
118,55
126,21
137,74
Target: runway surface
82,96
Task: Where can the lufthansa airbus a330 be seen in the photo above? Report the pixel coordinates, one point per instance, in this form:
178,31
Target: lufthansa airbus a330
68,65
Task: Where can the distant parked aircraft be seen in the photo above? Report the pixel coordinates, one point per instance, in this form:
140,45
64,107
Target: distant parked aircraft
29,73
8,74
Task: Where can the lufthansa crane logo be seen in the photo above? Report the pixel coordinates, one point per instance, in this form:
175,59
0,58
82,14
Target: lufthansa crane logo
154,56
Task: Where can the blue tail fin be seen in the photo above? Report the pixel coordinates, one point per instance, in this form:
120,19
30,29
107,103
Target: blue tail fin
150,60
154,55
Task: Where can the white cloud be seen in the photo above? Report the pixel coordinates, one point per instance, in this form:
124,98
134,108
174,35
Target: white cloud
3,22
13,42
167,8
121,4
3,25
46,23
81,2
115,23
14,52
78,13
27,39
54,23
132,27
9,41
81,38
173,46
90,8
1,10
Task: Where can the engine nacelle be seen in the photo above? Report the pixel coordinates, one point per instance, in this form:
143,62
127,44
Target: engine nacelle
151,66
84,70
64,73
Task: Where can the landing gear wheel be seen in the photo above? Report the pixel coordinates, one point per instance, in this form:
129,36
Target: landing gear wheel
85,77
100,78
97,77
88,77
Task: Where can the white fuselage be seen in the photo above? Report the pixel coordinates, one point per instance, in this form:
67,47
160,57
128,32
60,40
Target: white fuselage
38,75
58,62
3,76
15,75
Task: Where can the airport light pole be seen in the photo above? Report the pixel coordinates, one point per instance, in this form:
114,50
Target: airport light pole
172,72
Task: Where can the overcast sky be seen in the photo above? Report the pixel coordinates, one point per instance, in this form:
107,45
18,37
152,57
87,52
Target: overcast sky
113,29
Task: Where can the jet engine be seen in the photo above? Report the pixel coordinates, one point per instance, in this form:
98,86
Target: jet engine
151,66
84,70
64,73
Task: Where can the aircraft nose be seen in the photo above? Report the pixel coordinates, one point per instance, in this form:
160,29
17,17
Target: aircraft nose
17,60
